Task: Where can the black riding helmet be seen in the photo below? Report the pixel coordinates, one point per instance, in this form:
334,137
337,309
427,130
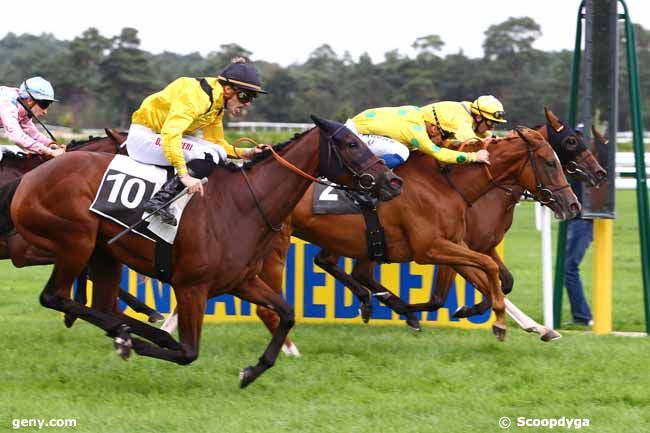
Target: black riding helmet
241,75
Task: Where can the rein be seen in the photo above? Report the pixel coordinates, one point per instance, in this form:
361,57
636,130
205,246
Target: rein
308,176
488,173
291,167
544,195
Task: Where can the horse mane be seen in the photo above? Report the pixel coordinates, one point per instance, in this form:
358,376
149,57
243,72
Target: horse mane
265,153
8,155
74,144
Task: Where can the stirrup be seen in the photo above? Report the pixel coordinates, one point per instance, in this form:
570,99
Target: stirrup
165,216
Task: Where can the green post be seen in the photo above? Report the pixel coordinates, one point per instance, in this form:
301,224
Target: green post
639,155
558,283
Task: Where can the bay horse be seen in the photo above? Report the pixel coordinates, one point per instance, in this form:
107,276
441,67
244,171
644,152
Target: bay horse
14,247
221,241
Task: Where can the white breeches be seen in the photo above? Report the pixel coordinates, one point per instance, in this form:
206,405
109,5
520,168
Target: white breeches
144,145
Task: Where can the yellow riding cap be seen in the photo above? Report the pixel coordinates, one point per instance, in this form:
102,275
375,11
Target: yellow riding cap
489,107
182,107
406,125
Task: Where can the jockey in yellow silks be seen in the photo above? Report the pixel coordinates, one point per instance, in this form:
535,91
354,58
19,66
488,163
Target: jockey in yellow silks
461,121
391,132
158,130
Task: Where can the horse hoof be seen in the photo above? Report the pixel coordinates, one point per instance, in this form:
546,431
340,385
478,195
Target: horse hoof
499,332
413,322
291,350
123,343
550,335
366,312
68,320
246,377
156,317
461,313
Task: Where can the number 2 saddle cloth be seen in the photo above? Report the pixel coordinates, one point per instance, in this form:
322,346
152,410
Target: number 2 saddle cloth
126,185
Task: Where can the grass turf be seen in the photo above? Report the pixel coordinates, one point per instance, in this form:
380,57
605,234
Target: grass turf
351,378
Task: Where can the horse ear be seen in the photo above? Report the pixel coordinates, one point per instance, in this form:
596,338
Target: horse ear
553,120
320,122
324,124
598,136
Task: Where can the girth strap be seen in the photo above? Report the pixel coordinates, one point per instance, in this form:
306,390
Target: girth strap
375,236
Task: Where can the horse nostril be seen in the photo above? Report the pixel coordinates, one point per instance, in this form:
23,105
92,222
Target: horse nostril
601,175
396,183
575,208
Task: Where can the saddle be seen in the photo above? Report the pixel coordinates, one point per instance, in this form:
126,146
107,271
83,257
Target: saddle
330,201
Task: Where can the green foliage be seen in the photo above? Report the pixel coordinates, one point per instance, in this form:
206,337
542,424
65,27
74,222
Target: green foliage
103,79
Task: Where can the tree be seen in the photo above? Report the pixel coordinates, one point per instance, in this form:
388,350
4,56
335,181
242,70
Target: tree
127,74
513,36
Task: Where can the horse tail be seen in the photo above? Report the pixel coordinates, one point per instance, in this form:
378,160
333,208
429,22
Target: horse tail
7,192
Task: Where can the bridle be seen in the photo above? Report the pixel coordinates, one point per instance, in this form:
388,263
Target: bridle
543,194
363,179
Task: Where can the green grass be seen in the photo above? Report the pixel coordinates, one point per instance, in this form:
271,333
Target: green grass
351,378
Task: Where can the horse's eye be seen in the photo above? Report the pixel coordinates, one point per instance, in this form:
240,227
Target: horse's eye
551,164
353,144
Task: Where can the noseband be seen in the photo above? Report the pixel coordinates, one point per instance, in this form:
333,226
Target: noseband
362,178
544,195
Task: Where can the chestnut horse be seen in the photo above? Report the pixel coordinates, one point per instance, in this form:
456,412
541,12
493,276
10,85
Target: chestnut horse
221,241
14,247
487,222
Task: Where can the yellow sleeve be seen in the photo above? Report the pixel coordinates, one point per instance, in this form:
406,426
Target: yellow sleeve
215,134
423,143
182,112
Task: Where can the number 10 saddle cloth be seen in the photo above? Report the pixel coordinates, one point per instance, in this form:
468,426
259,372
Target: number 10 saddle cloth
126,185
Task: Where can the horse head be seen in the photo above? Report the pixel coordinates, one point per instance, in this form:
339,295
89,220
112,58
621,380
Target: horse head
346,159
574,155
542,175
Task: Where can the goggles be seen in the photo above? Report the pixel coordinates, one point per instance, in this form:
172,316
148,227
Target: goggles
499,115
40,102
245,96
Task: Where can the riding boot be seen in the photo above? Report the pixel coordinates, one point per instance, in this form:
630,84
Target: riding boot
168,191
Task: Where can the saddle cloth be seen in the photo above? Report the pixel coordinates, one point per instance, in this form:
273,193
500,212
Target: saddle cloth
126,185
332,201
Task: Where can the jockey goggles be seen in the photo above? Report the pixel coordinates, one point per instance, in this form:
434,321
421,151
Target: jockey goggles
44,104
245,96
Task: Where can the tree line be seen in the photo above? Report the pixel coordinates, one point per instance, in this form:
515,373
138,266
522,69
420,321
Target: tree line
101,80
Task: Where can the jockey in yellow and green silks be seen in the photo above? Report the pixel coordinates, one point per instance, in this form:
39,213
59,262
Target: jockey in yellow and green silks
461,121
391,132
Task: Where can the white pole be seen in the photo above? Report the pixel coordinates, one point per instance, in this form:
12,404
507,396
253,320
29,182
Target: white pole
543,223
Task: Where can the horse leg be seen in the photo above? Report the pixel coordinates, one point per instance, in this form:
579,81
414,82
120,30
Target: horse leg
140,307
79,296
271,273
476,268
329,263
444,279
529,325
507,280
258,292
364,273
23,254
